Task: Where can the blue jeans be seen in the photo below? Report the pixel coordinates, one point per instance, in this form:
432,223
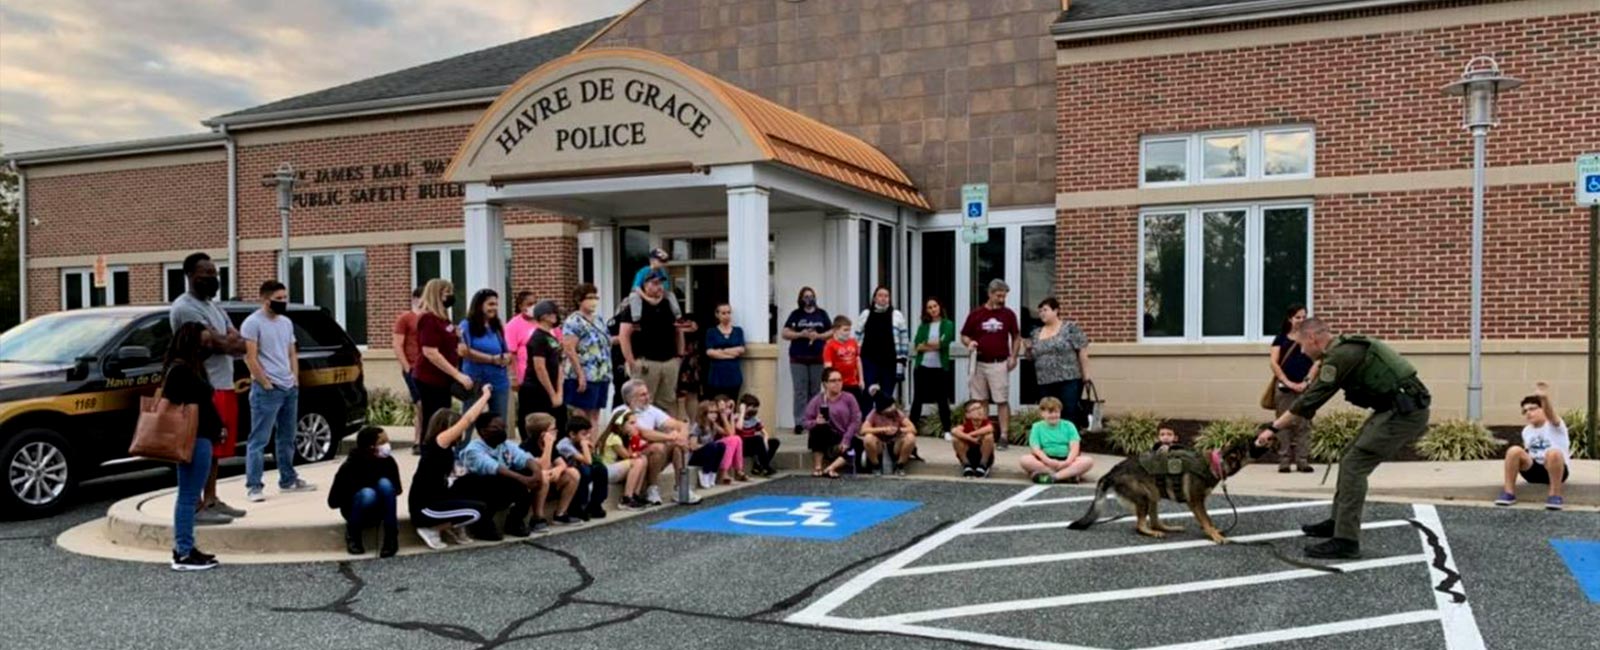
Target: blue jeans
191,480
500,395
593,487
370,503
271,408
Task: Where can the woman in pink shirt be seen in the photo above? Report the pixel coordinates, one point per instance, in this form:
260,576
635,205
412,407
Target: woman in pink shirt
518,329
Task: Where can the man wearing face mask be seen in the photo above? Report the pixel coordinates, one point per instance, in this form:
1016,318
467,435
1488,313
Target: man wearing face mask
223,342
274,392
501,475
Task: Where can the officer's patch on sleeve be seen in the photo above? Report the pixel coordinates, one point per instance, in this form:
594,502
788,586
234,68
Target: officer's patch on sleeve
1328,373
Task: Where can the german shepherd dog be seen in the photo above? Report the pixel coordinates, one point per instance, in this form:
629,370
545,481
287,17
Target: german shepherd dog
1142,491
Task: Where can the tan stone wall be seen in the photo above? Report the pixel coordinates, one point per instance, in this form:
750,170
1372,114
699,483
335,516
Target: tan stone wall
1208,382
954,91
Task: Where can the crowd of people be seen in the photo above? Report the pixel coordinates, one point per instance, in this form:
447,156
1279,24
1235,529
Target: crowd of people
679,401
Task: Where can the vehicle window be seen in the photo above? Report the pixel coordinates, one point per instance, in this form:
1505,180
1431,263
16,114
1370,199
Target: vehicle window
62,337
315,329
154,334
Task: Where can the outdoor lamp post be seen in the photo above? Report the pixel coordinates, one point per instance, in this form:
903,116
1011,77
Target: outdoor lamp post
1480,86
283,179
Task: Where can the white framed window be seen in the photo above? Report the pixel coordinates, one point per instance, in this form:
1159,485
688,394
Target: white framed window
1241,155
333,280
78,290
1224,272
448,262
174,284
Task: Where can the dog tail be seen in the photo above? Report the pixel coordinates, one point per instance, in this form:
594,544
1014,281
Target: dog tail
1088,518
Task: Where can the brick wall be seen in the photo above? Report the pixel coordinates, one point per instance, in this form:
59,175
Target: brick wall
129,210
954,91
1375,100
1392,264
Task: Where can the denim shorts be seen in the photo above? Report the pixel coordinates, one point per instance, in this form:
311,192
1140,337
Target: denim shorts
411,387
592,399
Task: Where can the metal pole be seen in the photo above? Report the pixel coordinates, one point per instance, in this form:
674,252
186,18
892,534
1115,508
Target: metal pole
1594,326
1480,135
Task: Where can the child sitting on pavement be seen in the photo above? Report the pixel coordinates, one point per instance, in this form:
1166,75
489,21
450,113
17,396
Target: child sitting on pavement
364,491
973,439
707,441
1055,450
557,474
754,437
578,453
1545,455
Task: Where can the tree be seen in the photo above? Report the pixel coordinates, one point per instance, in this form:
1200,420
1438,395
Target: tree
9,282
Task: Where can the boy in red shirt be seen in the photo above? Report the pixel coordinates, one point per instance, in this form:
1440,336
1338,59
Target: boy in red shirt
844,353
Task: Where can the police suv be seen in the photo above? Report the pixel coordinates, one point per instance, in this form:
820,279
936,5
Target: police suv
70,384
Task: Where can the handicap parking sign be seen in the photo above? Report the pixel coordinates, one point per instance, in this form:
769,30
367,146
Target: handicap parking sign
796,517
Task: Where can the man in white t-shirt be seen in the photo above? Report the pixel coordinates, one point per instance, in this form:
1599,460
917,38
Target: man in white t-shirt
665,437
1544,455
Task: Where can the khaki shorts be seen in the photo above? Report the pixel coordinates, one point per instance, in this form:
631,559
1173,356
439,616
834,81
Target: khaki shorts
661,377
990,382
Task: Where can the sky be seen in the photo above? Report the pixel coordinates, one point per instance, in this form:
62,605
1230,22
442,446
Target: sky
92,71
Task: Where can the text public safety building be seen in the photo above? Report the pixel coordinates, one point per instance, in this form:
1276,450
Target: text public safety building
1176,172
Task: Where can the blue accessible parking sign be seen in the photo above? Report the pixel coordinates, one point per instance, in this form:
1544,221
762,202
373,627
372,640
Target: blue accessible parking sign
797,517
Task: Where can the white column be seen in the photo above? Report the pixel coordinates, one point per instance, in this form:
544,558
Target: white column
748,260
485,234
605,266
842,264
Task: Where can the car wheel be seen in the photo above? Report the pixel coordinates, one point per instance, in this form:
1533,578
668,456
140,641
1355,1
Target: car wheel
39,473
313,438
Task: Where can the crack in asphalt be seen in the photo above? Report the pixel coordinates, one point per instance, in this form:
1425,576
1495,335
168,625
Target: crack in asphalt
1451,577
345,606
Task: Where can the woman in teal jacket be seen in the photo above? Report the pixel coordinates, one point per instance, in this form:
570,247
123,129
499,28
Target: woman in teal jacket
930,359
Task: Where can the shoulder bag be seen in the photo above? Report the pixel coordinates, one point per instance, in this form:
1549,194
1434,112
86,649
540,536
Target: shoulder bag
1269,397
165,430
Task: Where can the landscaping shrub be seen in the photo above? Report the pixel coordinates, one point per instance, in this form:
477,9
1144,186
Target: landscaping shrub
387,408
1457,440
1332,431
1021,423
1578,432
1222,434
1132,433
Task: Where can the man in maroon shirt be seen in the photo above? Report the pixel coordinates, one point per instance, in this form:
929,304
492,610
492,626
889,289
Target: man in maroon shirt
992,334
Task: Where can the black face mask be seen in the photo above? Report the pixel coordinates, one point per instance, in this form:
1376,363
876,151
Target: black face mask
494,437
449,301
279,307
207,287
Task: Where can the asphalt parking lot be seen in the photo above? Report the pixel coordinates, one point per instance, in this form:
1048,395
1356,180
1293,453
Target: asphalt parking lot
948,564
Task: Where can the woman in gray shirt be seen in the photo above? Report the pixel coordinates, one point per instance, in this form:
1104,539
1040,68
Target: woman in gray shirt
1060,353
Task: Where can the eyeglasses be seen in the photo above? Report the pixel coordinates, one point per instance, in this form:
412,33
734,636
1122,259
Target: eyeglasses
1528,409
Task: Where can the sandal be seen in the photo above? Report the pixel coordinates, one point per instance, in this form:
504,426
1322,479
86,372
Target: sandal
741,477
816,473
833,475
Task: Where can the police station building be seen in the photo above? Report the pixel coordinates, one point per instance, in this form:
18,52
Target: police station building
1175,172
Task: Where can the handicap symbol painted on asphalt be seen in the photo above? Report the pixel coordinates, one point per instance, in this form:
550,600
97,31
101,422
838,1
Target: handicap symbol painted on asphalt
797,517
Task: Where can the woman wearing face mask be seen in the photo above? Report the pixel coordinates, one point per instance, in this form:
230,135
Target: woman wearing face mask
484,354
364,492
439,340
807,330
881,329
519,330
587,347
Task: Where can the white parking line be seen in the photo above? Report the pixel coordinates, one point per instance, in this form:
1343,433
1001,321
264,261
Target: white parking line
1113,551
1174,515
946,634
1307,632
825,605
1051,502
1024,604
1460,626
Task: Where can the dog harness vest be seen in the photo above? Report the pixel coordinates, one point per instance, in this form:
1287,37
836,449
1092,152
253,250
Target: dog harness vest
1169,467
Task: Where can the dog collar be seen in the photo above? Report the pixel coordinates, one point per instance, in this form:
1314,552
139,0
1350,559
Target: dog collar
1216,464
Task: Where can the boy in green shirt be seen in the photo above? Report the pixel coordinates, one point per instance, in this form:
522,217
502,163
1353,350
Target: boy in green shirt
1055,453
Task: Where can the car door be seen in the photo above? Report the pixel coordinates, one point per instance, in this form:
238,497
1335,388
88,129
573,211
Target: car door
131,379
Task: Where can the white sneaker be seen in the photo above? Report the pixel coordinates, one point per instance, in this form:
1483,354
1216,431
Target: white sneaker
255,495
693,499
299,485
654,495
456,535
948,437
431,538
708,480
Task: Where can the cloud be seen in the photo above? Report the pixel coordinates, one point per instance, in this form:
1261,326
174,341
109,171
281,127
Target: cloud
90,71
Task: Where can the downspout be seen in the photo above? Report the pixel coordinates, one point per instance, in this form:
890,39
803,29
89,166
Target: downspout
21,242
233,212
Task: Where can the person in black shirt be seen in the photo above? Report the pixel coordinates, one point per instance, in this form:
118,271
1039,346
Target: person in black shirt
1293,372
651,342
541,390
436,510
186,382
365,488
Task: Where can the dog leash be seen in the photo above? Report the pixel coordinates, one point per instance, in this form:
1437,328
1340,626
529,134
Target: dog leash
1273,549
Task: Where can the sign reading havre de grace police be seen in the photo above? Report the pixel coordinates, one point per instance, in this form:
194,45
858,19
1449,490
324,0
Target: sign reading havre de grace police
559,99
796,517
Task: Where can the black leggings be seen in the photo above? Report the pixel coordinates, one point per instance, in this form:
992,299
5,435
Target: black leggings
752,447
433,399
932,385
496,492
456,512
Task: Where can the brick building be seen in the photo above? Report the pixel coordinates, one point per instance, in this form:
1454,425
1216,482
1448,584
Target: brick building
1177,172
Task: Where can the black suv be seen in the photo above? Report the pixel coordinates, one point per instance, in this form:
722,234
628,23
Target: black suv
70,384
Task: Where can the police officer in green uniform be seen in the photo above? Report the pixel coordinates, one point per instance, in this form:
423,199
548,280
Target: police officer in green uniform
1374,376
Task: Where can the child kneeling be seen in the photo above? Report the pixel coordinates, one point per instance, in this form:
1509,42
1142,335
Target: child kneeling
1056,451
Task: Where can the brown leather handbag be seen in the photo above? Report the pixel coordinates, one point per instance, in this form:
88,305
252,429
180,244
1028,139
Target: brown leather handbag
1269,397
165,430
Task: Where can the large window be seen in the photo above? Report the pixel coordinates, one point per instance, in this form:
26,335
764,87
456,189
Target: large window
449,262
174,284
78,290
1222,272
988,262
1227,156
335,281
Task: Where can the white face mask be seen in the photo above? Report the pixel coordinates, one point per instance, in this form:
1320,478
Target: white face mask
384,450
